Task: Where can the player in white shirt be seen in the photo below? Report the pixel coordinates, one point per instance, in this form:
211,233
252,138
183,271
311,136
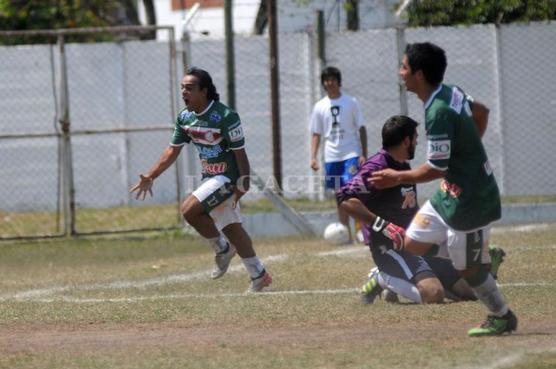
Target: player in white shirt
338,119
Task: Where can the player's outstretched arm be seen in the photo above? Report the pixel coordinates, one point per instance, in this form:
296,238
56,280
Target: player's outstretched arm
145,183
387,178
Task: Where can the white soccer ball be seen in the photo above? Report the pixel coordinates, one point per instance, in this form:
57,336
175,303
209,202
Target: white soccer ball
336,233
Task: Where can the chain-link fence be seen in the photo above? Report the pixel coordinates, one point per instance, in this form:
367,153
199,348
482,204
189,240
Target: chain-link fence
504,67
81,121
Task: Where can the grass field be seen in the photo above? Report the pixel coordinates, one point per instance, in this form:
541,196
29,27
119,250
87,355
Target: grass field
148,303
125,218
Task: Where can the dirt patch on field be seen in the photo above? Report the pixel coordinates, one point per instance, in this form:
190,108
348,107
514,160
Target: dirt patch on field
98,337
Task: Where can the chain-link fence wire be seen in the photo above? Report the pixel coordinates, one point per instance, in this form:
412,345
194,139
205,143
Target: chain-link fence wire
491,64
122,105
30,170
133,90
502,67
128,86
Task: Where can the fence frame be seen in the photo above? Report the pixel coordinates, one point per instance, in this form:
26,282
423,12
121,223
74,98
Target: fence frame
66,189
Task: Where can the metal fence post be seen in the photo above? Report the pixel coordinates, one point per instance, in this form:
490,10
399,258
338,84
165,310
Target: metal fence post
321,55
68,189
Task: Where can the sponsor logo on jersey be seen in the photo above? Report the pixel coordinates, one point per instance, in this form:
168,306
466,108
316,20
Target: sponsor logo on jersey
236,134
409,198
209,152
457,100
422,220
451,188
204,135
438,149
185,114
213,168
215,117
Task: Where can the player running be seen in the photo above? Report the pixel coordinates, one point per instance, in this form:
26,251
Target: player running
216,132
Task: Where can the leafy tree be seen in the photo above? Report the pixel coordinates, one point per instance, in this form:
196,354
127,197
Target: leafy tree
56,14
453,12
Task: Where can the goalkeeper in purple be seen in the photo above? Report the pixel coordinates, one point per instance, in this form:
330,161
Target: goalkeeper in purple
456,221
213,208
386,213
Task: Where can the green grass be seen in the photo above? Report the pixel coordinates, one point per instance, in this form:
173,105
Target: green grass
126,218
81,314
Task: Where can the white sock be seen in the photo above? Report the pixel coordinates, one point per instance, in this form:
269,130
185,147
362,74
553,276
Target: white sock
218,244
400,286
490,295
254,266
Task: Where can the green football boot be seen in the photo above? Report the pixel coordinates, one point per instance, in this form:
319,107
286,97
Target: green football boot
496,259
495,326
371,289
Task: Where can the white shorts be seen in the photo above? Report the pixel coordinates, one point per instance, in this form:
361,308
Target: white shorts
212,193
464,248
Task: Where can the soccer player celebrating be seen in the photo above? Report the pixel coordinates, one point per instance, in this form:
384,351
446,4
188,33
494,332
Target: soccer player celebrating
216,132
456,221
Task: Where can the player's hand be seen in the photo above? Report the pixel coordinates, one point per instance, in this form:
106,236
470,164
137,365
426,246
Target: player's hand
238,194
390,230
144,185
314,164
385,178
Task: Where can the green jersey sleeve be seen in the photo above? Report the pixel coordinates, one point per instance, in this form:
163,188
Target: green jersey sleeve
440,137
233,133
180,137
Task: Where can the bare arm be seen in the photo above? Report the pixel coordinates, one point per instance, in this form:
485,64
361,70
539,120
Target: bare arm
363,138
355,209
389,178
244,169
315,143
145,183
480,116
243,183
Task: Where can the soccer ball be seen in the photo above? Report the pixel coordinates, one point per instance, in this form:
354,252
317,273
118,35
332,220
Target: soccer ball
336,233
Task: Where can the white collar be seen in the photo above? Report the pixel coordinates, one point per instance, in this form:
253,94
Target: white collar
431,97
206,109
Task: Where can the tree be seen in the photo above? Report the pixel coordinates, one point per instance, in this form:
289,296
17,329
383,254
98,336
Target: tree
56,14
453,12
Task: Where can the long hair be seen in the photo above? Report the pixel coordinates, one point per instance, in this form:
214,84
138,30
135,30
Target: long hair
205,81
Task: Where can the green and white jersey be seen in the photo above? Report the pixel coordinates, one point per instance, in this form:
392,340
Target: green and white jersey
215,133
468,197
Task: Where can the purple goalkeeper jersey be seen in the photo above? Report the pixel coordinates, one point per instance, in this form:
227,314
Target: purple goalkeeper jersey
397,205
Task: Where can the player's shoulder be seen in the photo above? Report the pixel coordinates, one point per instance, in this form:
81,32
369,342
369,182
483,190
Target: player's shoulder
223,114
376,162
323,103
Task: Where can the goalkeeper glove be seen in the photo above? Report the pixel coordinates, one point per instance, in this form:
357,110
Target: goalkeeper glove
390,230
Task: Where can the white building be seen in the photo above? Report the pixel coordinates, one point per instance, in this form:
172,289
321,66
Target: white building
293,15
